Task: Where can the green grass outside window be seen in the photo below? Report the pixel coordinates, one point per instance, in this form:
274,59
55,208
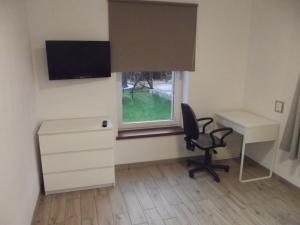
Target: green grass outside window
145,106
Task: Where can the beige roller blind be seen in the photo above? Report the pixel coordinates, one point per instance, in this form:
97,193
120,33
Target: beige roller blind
152,36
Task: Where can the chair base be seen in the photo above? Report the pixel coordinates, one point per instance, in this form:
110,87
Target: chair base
209,167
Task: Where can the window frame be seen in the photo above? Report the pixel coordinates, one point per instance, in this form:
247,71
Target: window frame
177,99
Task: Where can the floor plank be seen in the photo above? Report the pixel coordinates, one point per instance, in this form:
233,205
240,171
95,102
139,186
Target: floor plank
184,215
172,221
167,191
43,211
134,209
88,208
143,195
104,210
58,209
124,180
117,201
163,194
189,203
73,212
153,217
168,173
122,219
161,204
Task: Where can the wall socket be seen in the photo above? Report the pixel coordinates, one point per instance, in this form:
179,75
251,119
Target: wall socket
279,106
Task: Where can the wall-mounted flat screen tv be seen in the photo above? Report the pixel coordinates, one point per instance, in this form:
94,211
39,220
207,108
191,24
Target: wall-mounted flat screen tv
78,59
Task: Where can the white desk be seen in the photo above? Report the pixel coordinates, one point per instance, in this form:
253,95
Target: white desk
254,129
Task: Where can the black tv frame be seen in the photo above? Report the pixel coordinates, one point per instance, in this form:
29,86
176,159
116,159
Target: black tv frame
54,75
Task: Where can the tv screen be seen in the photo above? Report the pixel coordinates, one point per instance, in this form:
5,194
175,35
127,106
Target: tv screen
78,59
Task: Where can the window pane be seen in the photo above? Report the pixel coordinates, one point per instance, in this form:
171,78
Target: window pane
147,96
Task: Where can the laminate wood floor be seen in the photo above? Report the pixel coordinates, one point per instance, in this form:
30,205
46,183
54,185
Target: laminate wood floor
163,194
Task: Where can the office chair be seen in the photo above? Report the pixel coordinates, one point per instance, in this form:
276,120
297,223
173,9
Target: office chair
204,141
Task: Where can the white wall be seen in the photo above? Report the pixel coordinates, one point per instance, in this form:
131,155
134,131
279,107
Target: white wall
218,83
273,69
69,20
19,186
169,147
221,55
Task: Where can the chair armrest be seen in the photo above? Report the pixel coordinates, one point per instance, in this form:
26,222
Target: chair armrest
226,130
209,121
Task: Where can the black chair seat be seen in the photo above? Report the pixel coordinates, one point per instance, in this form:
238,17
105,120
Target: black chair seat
204,141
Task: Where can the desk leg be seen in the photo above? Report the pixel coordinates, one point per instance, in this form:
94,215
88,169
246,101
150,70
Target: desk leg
242,161
258,178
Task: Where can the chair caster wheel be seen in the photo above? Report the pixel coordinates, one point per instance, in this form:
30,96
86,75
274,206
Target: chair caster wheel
191,175
217,179
188,163
227,169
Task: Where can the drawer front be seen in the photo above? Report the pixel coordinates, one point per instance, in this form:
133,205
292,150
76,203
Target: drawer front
262,133
68,142
78,179
77,160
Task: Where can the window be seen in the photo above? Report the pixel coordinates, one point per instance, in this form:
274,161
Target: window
149,99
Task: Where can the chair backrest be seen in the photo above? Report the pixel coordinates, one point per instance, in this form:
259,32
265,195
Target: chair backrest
190,124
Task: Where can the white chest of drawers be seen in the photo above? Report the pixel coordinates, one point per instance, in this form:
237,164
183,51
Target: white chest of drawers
76,154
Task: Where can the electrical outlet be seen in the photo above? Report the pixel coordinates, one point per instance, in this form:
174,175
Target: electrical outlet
279,106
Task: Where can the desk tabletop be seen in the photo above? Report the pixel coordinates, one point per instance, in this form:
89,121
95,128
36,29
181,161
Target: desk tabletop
245,118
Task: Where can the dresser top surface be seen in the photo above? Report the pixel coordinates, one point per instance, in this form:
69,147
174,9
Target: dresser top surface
74,125
245,118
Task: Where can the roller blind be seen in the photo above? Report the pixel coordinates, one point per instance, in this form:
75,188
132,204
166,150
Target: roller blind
152,36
